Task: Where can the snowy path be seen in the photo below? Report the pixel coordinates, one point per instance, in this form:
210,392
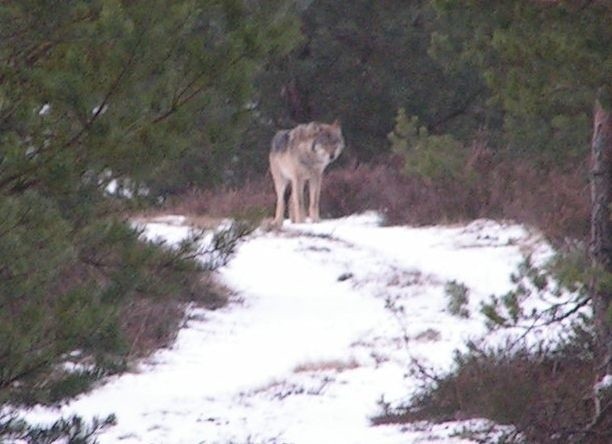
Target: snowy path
307,348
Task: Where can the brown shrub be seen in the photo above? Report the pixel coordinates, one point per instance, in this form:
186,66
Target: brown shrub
553,198
252,201
556,200
545,397
149,324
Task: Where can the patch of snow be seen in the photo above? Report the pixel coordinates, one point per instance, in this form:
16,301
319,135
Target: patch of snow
44,110
309,346
174,220
97,110
170,233
604,384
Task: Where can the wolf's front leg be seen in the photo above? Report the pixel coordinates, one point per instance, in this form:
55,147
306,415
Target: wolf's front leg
296,210
315,194
280,209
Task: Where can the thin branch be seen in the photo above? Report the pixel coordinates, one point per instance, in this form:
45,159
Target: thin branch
462,109
554,319
180,101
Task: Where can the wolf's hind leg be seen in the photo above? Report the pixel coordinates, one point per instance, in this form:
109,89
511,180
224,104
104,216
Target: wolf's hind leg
280,186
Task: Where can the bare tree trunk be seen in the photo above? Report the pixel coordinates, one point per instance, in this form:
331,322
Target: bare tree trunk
297,102
601,234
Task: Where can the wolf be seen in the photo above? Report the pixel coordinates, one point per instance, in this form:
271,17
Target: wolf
298,157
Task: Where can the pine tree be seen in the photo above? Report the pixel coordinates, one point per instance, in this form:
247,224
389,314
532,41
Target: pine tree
548,64
97,91
542,61
360,62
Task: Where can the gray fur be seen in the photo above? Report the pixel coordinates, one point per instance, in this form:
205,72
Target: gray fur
280,142
298,158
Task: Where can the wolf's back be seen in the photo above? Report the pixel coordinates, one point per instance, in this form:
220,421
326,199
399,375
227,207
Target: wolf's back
280,142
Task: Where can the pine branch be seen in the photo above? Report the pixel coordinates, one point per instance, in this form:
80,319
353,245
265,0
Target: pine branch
53,153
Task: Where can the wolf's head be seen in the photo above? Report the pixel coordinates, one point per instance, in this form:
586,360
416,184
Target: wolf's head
328,142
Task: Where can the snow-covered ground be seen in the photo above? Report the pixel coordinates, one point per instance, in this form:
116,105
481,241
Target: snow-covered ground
309,345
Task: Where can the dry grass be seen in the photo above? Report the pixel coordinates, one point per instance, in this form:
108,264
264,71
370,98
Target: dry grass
335,365
253,201
554,200
150,324
202,221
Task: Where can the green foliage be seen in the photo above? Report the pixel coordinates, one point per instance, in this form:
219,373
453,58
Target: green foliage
225,241
572,268
508,69
542,61
145,92
72,430
528,279
159,95
137,89
361,63
491,312
458,298
433,157
562,282
58,385
77,304
34,234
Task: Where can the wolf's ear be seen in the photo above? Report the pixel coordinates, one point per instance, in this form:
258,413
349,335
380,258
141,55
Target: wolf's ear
336,123
312,129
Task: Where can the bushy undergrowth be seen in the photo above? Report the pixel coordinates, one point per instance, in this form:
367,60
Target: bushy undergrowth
554,199
545,395
119,298
80,301
457,294
253,201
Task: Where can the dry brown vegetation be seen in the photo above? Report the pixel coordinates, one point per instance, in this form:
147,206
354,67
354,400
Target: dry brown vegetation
150,324
553,199
336,365
544,395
